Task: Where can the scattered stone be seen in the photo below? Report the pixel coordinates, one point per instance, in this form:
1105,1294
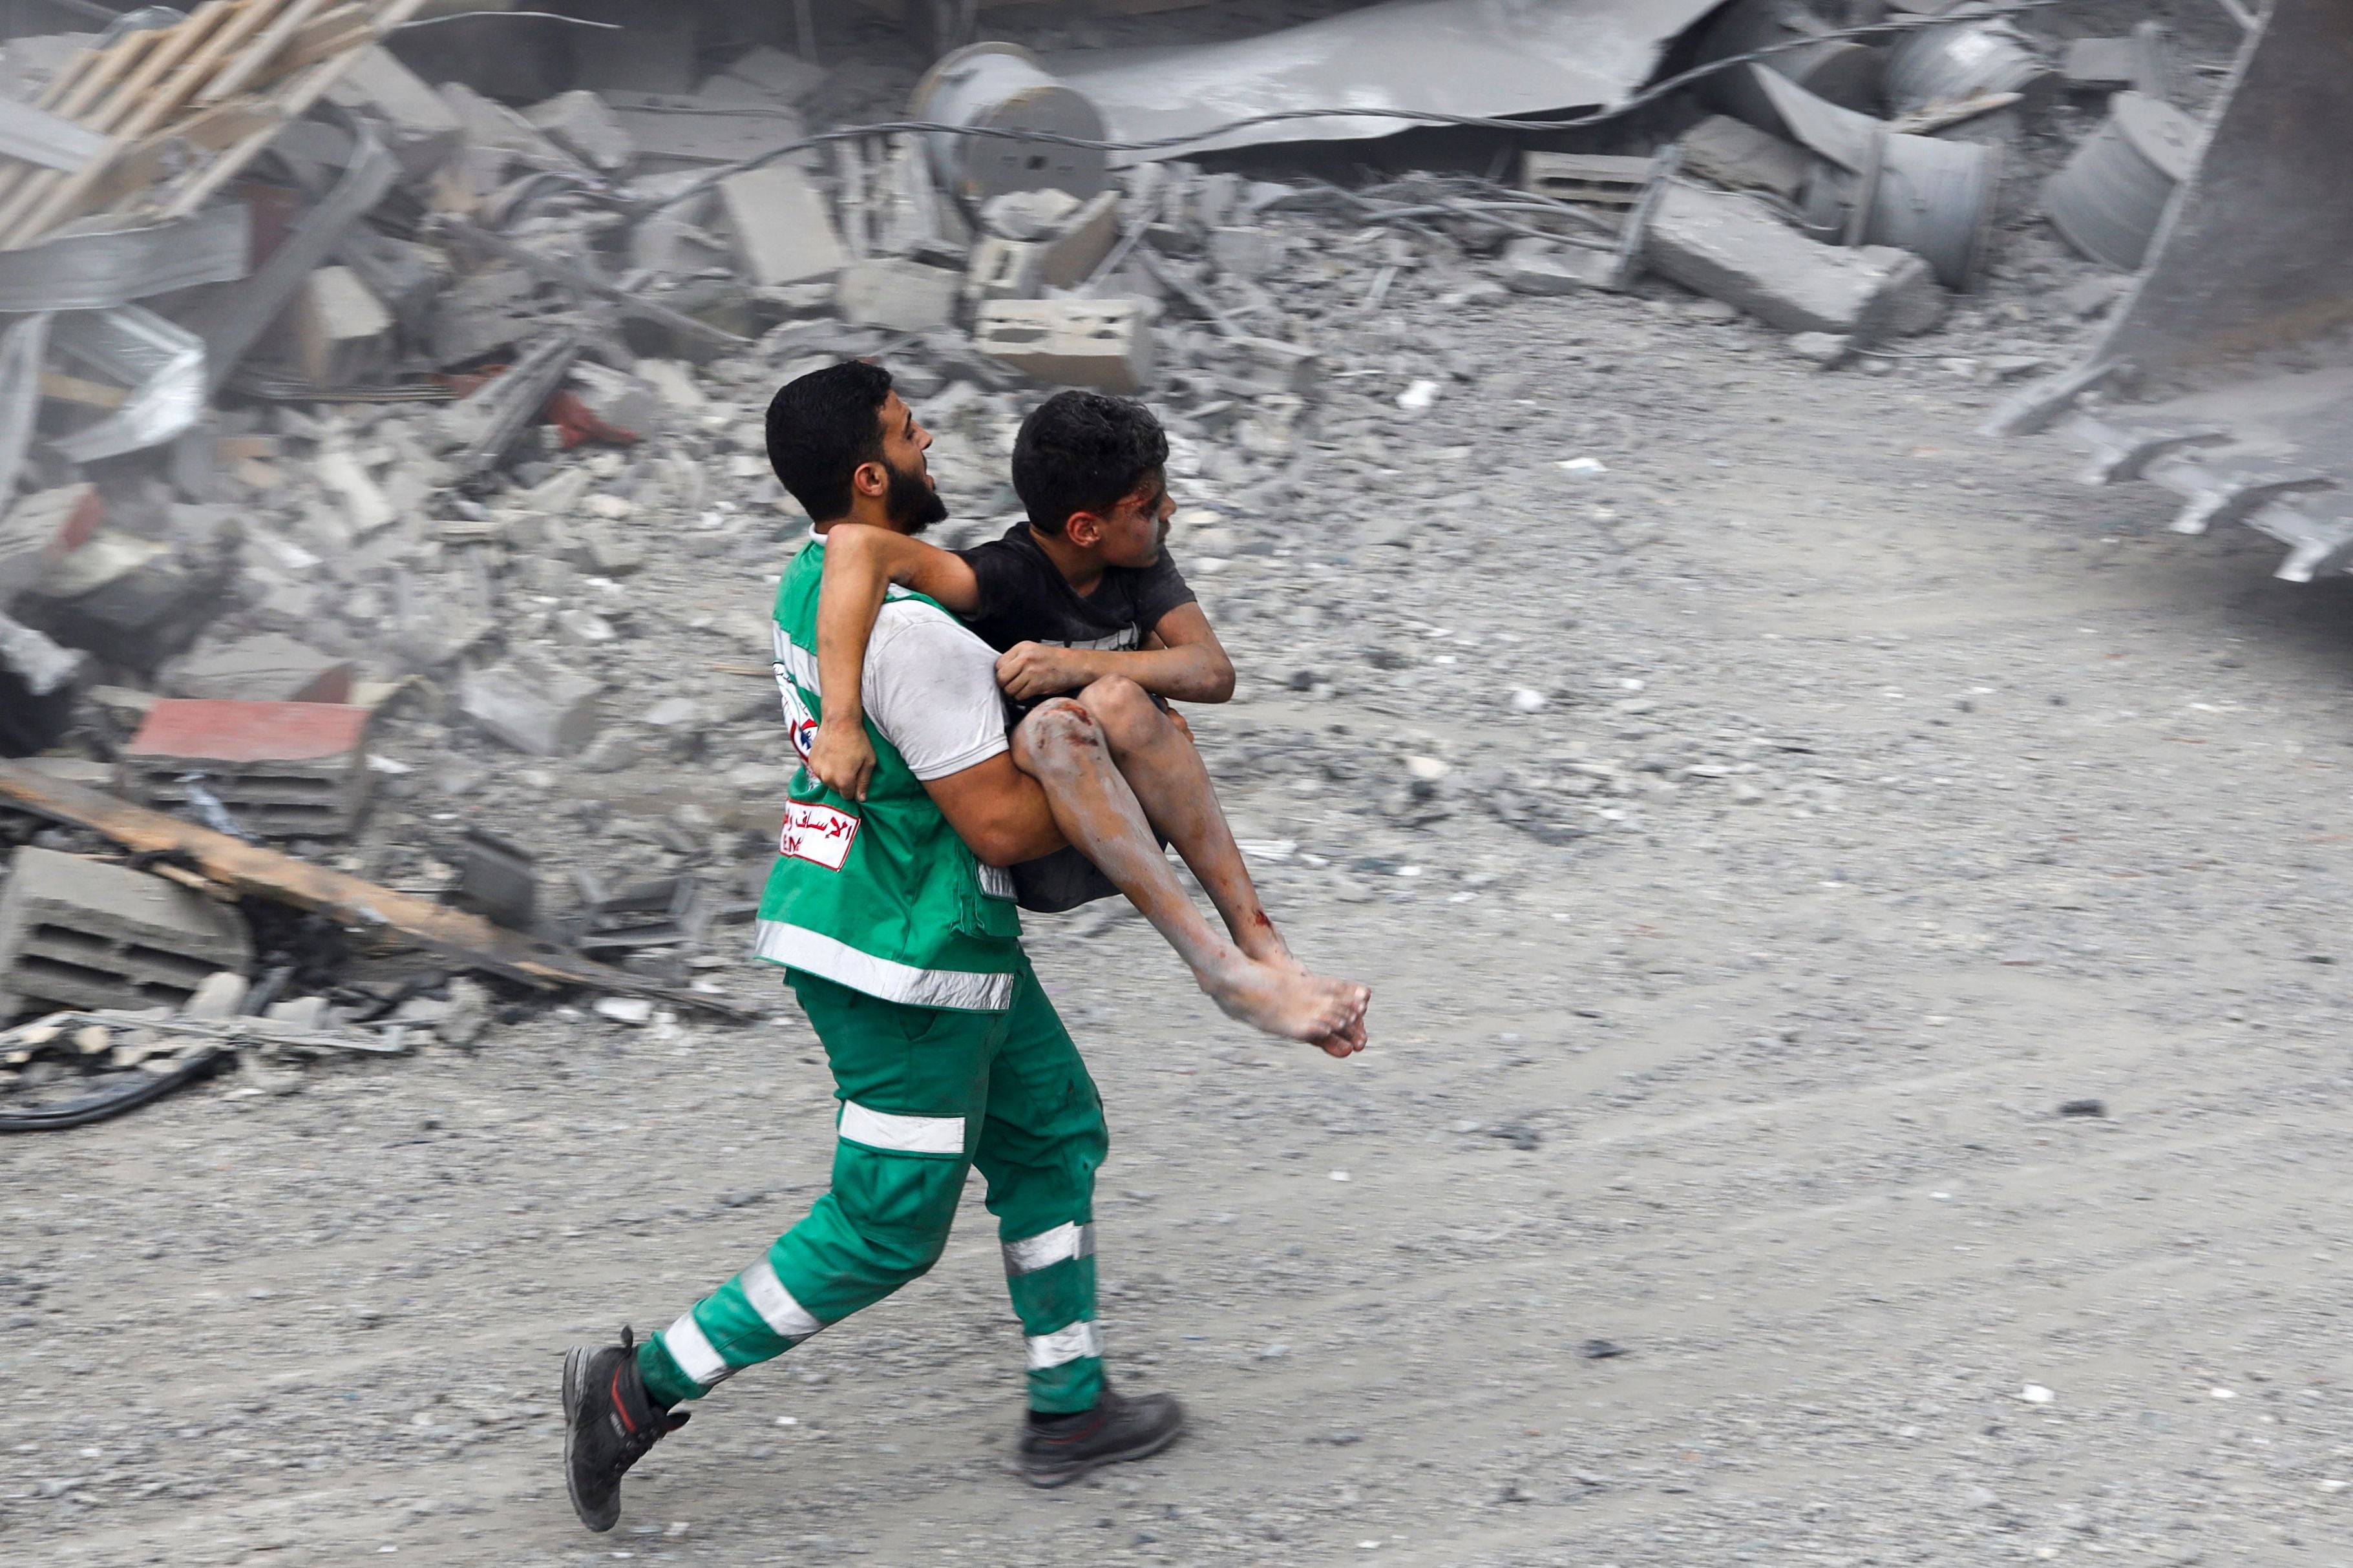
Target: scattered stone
583,125
1105,345
634,1011
1824,351
1600,1350
784,233
903,296
2084,1108
532,706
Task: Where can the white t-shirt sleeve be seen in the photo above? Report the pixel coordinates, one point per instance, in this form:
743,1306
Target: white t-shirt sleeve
931,688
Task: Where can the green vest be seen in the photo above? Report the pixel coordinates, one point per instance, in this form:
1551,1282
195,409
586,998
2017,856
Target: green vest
879,895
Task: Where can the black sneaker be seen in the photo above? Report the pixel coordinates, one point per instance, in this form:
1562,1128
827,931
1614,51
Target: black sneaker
1063,1448
609,1423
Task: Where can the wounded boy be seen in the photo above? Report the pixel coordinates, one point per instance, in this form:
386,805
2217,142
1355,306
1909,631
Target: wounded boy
1082,604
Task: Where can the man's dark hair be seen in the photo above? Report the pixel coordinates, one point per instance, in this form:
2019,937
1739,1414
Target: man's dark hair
1083,451
821,427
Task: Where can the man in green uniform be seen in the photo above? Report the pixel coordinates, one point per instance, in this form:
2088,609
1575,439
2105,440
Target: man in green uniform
894,921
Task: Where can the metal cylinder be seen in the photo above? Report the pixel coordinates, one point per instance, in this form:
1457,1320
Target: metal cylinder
1954,64
1931,198
1003,87
2109,196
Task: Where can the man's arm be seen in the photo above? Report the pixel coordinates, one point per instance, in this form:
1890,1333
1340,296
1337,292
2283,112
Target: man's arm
1189,666
860,564
998,810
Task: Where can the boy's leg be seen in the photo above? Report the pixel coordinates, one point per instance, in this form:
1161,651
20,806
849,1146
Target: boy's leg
1062,747
1040,1148
1173,788
908,1122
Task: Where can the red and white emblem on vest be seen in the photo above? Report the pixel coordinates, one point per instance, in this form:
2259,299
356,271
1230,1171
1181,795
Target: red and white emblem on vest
818,834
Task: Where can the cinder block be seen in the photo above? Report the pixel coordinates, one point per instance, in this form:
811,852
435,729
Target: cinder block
1595,179
1001,269
583,125
1730,248
782,232
287,770
903,296
1102,343
531,706
266,668
78,934
341,331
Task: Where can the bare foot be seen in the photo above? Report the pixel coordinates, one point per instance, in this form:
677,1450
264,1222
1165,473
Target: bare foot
1289,1002
1261,943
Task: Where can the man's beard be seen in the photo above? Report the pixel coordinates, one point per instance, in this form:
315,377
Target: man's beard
911,502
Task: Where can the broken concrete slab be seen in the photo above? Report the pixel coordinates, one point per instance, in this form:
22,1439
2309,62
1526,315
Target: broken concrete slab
679,134
1101,343
265,668
1069,256
1739,156
417,128
903,296
342,332
1002,269
782,232
493,127
78,933
774,75
1533,266
1729,248
284,770
533,705
583,125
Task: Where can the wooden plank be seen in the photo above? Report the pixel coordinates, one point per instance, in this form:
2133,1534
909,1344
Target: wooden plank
338,31
146,166
166,48
189,68
295,97
243,71
73,90
255,873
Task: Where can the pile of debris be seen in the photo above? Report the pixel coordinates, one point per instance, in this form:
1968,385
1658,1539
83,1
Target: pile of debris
328,393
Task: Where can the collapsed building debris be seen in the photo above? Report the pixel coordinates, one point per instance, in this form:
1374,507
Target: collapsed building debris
344,401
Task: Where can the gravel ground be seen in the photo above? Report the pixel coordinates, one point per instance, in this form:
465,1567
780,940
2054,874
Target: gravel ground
1754,843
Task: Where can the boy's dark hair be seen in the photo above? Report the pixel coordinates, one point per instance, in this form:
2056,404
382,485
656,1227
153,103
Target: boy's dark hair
1083,451
821,427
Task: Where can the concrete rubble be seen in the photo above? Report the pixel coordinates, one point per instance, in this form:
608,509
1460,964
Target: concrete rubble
433,482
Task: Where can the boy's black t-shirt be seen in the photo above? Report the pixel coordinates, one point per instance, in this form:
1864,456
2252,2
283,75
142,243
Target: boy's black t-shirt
1025,598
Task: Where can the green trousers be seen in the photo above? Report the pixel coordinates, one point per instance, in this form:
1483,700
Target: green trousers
926,1093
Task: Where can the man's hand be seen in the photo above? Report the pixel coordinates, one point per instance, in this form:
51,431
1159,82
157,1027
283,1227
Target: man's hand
841,758
1029,670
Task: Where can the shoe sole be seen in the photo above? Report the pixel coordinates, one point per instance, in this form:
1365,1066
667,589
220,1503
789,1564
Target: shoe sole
1080,1472
576,1366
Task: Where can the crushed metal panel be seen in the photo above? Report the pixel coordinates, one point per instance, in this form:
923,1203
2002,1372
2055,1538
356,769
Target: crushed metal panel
1448,56
49,141
99,271
161,363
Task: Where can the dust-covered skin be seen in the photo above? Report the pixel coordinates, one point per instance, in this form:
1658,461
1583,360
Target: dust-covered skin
1093,786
